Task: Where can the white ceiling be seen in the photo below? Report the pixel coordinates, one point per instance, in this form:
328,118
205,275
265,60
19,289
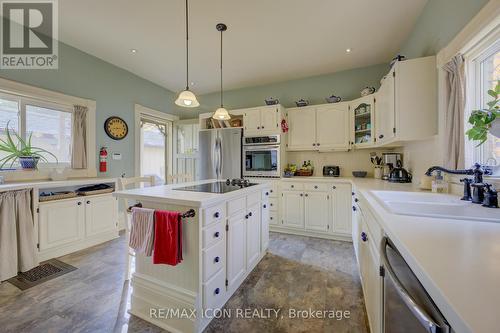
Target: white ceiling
267,40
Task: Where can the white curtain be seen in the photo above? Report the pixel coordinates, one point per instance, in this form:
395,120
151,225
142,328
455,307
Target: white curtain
79,151
17,234
454,136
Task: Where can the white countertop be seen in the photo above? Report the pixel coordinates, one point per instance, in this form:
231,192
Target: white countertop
11,186
168,195
457,261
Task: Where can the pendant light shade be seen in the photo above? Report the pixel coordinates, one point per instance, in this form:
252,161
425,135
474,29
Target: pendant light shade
221,113
186,97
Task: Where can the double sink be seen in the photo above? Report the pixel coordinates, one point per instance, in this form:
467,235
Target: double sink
435,205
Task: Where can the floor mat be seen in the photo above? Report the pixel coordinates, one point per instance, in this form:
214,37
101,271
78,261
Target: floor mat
46,271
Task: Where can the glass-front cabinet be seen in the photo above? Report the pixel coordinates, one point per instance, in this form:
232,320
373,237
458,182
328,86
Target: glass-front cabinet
362,121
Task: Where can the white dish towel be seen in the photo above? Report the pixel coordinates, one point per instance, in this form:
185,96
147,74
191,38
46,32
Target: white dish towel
17,235
142,230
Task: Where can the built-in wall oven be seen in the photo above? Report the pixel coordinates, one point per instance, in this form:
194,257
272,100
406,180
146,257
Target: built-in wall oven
261,156
407,306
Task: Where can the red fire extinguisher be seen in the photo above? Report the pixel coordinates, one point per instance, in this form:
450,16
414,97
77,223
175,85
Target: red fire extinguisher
103,155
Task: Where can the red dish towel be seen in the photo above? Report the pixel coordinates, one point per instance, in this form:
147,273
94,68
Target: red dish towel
168,238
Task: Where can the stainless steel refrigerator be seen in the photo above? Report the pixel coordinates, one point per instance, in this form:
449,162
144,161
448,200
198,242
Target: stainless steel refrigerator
220,154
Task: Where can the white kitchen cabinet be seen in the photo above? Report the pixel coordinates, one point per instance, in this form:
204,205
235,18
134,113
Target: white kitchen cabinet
407,102
100,214
262,120
236,248
342,208
264,232
301,129
253,223
320,127
61,223
332,127
362,115
385,114
292,209
316,211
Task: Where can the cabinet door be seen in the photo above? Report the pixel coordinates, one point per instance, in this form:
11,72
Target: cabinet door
317,209
61,223
236,248
251,121
100,215
253,235
269,121
342,208
332,127
385,112
362,121
264,226
292,206
302,129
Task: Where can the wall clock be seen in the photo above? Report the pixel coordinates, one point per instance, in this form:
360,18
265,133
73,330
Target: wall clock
116,128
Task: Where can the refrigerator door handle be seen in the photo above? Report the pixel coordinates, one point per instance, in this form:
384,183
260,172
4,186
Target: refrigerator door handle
221,159
217,157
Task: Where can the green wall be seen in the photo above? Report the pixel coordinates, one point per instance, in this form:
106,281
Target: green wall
115,91
439,23
347,84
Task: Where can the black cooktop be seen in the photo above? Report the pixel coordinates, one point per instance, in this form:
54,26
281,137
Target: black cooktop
216,187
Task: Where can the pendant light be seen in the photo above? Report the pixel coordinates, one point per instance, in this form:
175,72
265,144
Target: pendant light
221,113
186,97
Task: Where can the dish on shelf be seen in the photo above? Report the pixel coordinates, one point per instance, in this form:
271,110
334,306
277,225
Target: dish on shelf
333,99
359,174
302,102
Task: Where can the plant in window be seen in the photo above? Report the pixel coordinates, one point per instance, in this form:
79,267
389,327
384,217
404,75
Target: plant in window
486,121
23,151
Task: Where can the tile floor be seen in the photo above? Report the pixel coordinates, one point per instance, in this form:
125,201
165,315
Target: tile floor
297,273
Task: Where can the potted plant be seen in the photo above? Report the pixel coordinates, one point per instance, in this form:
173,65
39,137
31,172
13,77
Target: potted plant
486,120
27,155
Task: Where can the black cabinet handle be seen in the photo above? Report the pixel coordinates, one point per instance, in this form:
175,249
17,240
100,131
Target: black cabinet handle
216,215
334,187
353,208
267,193
381,136
271,217
356,199
352,193
307,195
216,259
216,291
314,144
246,216
315,186
262,127
301,194
265,206
317,144
216,234
271,205
88,202
250,214
79,203
292,186
271,191
364,236
258,127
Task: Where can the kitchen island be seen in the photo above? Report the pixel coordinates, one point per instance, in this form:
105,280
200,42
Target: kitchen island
222,244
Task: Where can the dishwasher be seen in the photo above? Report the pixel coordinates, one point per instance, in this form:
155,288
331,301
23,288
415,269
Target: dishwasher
407,306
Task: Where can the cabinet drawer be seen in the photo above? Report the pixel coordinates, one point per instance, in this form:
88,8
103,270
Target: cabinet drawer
273,204
290,186
213,259
213,234
253,198
214,291
234,206
273,217
317,187
214,214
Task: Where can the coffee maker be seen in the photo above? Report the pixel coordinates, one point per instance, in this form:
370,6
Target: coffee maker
390,161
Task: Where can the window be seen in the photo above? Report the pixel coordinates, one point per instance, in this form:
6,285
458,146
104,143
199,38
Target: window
154,149
48,124
484,72
187,158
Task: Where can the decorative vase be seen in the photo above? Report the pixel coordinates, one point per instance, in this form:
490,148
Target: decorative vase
495,128
29,162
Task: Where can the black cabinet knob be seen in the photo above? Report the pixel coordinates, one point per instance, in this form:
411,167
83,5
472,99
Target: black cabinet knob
216,215
246,216
265,206
301,194
79,203
292,186
216,234
267,193
334,187
353,208
271,217
88,202
258,127
262,127
271,191
250,214
317,144
352,193
356,199
217,291
216,259
314,144
364,236
381,136
307,195
315,186
271,205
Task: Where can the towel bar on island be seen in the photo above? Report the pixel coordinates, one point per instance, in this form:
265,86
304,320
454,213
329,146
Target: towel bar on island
189,213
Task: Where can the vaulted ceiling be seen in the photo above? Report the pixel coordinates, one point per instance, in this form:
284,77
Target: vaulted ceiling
267,40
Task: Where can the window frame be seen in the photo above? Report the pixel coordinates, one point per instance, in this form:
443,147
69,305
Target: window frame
29,95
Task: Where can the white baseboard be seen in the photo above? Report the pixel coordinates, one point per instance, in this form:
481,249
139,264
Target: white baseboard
299,232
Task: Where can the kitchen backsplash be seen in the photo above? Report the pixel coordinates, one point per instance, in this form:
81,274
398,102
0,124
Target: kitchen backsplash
355,160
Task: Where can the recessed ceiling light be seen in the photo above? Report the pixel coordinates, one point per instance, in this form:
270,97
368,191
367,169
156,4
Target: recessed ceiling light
133,51
348,50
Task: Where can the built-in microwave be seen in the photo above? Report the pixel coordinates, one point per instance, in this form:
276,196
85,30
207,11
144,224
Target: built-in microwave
261,157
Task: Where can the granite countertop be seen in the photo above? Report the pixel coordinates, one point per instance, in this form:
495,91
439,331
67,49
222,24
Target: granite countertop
168,195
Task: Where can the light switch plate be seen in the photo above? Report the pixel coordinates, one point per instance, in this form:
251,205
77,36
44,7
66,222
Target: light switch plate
117,156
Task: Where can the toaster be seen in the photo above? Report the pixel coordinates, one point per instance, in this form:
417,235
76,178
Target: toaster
331,171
